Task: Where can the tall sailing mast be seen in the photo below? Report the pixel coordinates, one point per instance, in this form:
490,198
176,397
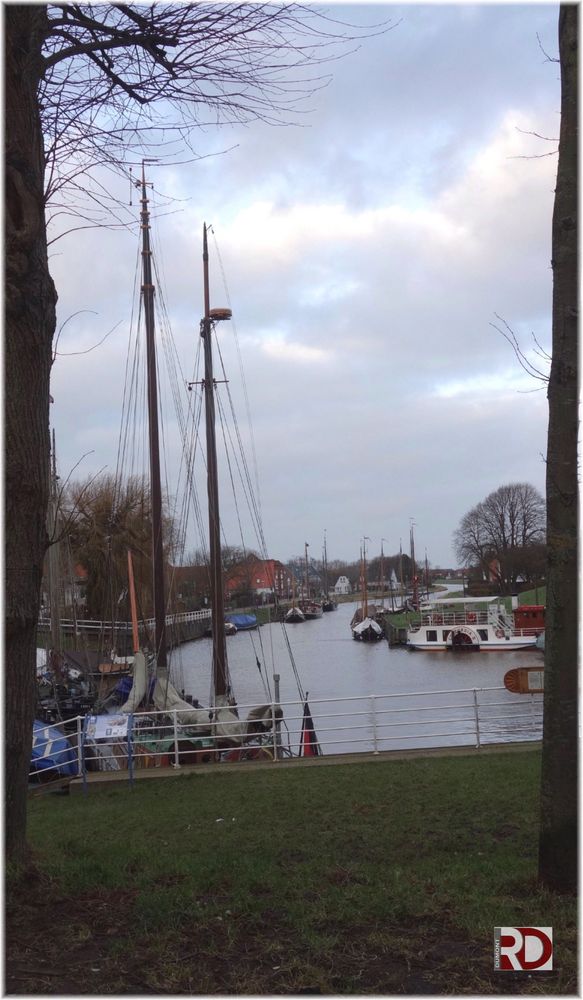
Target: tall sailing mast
414,570
211,316
155,481
382,580
364,581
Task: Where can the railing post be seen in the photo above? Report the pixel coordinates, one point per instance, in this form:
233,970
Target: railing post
274,731
374,723
79,744
175,725
477,719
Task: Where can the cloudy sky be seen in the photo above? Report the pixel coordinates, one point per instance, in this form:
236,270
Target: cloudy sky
366,254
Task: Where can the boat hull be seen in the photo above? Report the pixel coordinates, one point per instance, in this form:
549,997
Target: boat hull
294,617
469,641
367,636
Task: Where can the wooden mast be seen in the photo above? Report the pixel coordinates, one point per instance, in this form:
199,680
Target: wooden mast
133,604
155,482
414,571
382,581
364,584
220,672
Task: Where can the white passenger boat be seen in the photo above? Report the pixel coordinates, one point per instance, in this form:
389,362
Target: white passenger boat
464,624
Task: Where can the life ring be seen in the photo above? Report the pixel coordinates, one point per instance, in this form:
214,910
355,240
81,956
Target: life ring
499,633
471,617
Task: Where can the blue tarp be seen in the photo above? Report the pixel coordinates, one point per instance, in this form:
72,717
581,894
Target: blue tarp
51,751
124,687
242,621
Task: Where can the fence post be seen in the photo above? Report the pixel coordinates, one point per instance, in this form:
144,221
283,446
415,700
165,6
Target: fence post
477,719
274,731
175,725
79,744
374,723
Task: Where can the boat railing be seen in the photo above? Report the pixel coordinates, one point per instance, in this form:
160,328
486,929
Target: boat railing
368,724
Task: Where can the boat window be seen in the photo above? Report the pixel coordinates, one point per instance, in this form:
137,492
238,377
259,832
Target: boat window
445,634
483,633
431,635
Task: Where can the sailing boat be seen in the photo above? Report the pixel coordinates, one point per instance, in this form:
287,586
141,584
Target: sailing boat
381,611
309,608
221,720
327,604
363,625
295,615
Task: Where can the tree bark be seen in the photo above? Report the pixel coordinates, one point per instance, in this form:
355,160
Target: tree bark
558,829
29,327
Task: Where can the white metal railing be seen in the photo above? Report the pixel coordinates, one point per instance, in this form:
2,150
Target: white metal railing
90,625
366,724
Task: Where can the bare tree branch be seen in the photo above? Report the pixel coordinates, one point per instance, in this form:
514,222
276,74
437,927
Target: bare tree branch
120,80
525,364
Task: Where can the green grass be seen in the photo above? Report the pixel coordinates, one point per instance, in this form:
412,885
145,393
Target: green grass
364,878
537,596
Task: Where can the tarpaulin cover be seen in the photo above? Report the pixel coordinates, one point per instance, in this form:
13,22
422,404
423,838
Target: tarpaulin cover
124,686
52,751
242,621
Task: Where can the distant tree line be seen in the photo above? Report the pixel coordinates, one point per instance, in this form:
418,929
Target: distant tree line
101,519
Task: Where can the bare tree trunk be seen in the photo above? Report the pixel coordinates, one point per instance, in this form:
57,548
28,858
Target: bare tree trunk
29,327
558,830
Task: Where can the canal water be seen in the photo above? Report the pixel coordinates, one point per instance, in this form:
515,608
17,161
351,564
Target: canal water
391,698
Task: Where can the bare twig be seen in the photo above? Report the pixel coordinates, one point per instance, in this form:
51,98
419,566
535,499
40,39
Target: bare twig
525,364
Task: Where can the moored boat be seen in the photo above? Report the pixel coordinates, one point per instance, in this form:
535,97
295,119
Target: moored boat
466,624
241,622
294,616
309,607
230,628
364,626
367,630
327,603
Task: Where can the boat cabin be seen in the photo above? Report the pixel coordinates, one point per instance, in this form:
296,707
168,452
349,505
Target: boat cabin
531,617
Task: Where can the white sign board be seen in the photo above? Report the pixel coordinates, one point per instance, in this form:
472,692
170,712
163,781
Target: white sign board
107,727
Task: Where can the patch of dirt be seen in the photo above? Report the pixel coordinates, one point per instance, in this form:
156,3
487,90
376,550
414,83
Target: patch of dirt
89,945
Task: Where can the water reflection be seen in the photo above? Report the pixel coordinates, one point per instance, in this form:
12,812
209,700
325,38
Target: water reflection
331,665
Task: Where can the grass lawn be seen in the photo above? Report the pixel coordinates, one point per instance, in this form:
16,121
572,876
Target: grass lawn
374,878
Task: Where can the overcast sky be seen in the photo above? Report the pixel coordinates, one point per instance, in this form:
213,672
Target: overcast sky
366,254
